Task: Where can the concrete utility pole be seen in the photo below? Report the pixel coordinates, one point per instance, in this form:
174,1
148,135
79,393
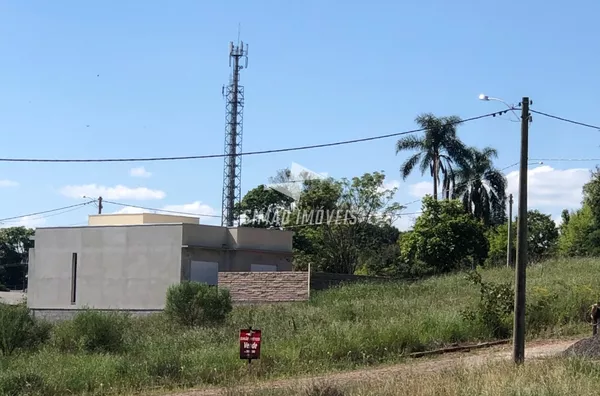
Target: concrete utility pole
520,271
509,244
99,205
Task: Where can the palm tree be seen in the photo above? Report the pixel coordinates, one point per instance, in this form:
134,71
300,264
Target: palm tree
481,186
438,149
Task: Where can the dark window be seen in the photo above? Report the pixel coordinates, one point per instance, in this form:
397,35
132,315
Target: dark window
73,278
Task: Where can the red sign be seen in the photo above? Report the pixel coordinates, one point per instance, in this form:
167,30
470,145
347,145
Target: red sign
250,344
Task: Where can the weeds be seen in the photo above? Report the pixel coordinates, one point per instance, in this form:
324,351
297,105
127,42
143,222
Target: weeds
19,330
193,304
345,327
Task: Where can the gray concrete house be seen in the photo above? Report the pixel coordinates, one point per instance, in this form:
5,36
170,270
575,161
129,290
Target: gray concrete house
127,262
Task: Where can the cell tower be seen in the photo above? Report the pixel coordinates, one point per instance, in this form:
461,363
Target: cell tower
232,169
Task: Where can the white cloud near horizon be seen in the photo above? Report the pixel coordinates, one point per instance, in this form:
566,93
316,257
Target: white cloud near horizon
548,187
206,213
8,183
389,185
549,190
117,192
26,221
420,189
140,171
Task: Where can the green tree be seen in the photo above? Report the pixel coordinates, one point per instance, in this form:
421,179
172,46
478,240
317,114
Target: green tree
15,243
580,234
444,238
339,242
542,239
591,195
481,186
579,237
542,236
438,149
260,207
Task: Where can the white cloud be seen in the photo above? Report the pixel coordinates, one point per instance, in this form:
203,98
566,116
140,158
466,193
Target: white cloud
116,192
421,189
405,222
206,213
26,221
389,185
8,183
551,189
139,172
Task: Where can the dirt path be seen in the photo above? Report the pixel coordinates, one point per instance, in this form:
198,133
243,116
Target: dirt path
537,349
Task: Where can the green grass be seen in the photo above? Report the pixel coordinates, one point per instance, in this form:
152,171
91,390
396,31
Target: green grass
338,329
548,377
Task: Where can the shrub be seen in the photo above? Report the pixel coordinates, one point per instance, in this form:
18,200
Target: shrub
19,330
494,306
3,288
324,390
193,304
93,331
23,384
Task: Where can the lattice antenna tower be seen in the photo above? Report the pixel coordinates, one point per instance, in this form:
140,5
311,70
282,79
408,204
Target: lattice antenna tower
234,118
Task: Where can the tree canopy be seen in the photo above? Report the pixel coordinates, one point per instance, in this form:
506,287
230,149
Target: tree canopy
15,243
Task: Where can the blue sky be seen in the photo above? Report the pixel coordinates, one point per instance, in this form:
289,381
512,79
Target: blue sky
137,78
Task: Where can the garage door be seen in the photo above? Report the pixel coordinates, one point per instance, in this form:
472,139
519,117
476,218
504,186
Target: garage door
263,268
205,272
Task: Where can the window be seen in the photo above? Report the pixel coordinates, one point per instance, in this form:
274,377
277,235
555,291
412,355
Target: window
73,278
204,272
263,268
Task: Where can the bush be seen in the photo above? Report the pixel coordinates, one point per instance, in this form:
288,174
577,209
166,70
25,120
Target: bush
23,384
193,304
4,288
494,306
19,330
93,331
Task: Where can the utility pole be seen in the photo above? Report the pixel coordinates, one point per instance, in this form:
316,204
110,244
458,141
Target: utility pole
99,205
521,265
509,244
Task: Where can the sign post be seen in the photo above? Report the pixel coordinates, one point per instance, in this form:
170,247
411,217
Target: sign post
250,341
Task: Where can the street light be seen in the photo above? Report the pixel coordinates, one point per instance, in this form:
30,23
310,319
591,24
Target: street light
520,267
511,108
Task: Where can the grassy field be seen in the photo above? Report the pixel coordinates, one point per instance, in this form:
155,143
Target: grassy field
338,329
549,377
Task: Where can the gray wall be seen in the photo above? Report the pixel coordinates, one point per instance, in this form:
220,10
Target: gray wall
121,267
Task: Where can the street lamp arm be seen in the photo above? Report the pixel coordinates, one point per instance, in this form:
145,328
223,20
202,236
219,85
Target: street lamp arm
511,108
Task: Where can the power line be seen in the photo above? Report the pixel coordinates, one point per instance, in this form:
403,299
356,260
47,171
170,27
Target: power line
160,210
40,217
273,151
566,159
46,211
470,180
565,119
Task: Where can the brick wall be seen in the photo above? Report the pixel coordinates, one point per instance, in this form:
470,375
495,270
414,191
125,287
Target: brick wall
255,287
323,280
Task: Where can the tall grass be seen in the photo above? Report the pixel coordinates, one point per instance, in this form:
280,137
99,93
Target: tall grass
550,377
338,329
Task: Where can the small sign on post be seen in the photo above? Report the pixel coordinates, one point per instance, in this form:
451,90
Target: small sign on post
250,344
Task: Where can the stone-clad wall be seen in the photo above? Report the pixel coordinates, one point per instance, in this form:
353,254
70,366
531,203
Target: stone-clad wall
264,287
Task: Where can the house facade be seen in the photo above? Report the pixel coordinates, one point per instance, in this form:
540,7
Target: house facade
127,262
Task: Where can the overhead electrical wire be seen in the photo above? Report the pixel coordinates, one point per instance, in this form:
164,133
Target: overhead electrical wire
46,211
260,152
566,159
45,216
565,119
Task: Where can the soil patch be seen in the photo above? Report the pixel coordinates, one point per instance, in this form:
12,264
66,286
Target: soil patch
588,348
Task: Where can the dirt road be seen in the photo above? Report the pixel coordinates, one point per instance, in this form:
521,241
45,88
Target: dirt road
537,349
